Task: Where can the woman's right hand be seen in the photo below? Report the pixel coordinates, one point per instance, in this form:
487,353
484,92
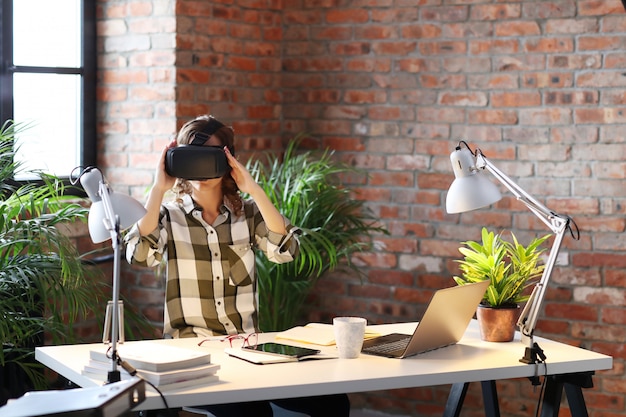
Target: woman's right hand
162,183
162,180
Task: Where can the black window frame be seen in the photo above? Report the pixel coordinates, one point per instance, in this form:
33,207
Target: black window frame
88,71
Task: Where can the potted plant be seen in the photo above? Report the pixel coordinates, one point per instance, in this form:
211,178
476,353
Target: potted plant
511,268
305,187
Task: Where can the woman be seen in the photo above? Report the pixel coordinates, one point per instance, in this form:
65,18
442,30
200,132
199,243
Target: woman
208,236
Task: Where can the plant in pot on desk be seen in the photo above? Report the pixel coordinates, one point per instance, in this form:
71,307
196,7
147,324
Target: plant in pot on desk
512,268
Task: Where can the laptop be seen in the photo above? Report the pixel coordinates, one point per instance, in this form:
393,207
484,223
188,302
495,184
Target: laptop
446,318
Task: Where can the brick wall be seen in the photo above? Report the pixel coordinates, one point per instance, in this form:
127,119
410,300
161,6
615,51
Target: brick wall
392,85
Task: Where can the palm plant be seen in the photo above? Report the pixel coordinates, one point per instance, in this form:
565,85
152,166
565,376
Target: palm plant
43,282
510,267
305,188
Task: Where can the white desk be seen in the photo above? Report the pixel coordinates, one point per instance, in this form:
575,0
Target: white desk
468,361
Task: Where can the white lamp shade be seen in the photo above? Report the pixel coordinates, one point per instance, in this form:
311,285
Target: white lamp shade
470,190
125,207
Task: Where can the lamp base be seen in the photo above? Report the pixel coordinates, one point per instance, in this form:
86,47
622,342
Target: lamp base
114,376
534,355
111,400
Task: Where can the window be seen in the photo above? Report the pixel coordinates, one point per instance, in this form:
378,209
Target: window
47,82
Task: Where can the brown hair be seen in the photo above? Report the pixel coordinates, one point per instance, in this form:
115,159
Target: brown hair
226,136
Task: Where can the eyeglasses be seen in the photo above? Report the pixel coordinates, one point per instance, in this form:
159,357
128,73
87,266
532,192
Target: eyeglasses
241,340
237,340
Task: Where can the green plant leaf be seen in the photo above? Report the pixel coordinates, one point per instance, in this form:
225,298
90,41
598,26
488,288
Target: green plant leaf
509,266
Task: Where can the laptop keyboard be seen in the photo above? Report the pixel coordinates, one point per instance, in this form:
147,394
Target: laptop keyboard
388,347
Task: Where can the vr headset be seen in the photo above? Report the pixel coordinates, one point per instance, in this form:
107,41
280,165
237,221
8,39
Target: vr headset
191,162
197,162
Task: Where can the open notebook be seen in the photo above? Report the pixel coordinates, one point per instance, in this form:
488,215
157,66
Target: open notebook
317,333
446,318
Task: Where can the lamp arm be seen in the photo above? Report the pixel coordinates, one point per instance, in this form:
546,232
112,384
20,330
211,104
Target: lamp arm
558,224
530,314
112,224
547,216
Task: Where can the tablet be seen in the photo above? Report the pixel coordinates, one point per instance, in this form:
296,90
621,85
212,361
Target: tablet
282,350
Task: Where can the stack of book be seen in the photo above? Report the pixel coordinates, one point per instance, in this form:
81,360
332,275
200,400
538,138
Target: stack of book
167,367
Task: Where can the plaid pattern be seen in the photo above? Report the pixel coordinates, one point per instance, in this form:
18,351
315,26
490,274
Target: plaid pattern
211,282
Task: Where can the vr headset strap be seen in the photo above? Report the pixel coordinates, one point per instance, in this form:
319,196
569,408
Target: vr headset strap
201,137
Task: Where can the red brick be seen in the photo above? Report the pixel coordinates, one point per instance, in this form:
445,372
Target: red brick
466,29
412,295
369,65
343,143
555,9
397,179
600,43
362,97
492,117
433,247
515,99
125,76
241,63
547,79
572,312
493,81
545,116
599,259
495,12
441,115
390,113
600,115
549,45
444,13
194,76
517,28
463,99
379,260
399,48
599,8
571,97
578,61
442,47
393,212
347,16
417,65
422,31
376,32
494,46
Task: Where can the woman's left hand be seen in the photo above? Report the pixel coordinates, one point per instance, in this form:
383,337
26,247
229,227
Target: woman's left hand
240,174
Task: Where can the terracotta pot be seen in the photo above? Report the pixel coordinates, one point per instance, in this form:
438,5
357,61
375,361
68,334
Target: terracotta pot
497,324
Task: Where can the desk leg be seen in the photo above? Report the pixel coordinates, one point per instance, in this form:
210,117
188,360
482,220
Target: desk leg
573,385
555,384
490,399
457,396
455,399
552,397
576,401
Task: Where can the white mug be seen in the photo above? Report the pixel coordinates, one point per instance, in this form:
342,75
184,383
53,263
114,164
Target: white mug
349,333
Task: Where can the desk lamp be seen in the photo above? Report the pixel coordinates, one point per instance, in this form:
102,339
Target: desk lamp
470,190
110,213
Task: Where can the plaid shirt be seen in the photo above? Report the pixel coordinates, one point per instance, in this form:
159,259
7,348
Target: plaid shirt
211,282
